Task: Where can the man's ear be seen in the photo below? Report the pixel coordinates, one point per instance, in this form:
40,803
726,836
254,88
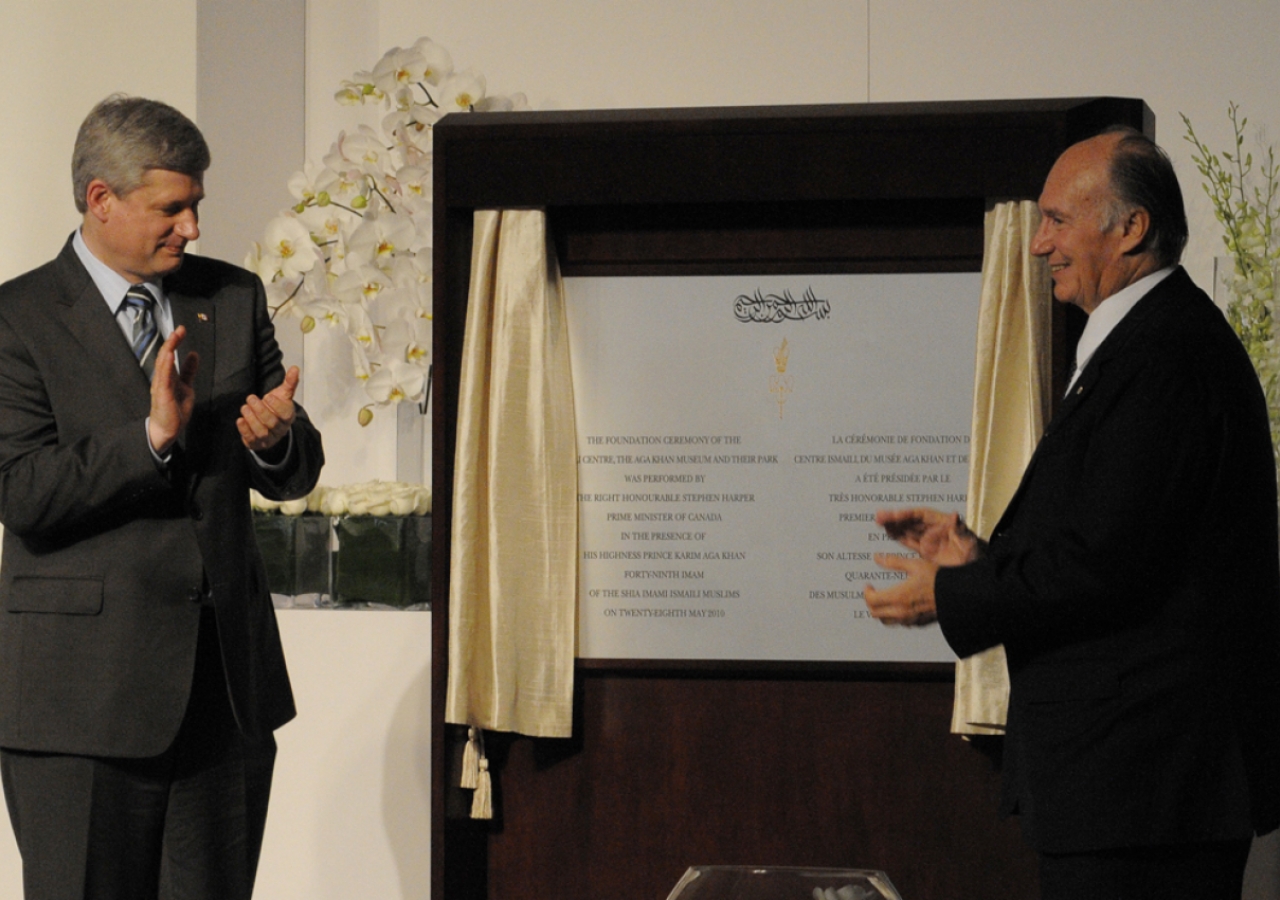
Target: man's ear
98,198
1134,228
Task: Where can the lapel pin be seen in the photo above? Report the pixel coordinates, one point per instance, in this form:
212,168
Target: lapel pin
202,317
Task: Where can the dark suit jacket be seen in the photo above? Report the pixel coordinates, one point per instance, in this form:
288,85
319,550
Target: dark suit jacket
1134,582
106,554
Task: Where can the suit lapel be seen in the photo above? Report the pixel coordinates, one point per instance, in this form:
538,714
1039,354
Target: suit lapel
196,314
87,317
1095,370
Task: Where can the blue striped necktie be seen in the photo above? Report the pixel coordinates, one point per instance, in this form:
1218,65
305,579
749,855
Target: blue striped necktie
144,335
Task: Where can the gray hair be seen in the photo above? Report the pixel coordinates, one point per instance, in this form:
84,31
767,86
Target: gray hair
1142,177
123,137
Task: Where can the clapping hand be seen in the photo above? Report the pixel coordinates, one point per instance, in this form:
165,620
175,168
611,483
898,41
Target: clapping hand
265,421
939,539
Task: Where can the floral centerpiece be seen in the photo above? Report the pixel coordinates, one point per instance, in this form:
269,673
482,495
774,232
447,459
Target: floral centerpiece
359,545
1245,198
354,249
369,498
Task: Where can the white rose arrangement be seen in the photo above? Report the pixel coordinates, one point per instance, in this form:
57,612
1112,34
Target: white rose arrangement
369,498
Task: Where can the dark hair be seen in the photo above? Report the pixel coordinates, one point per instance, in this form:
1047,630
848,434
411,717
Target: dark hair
1142,177
123,137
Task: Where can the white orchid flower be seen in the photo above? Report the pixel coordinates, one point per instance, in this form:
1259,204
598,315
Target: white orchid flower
360,285
333,311
361,149
461,91
498,103
396,380
253,259
359,90
361,329
287,251
349,94
380,237
412,130
328,225
437,63
409,340
398,69
314,184
291,291
412,184
411,276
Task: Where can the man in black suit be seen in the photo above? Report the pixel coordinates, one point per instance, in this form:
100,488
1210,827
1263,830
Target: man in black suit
141,672
1133,579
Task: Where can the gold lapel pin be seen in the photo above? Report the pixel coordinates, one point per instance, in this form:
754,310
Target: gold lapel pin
202,317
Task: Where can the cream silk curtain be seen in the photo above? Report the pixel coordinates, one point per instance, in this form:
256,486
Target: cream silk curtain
1010,404
513,583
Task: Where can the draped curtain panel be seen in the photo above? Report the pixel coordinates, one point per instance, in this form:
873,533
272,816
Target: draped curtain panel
513,584
1010,407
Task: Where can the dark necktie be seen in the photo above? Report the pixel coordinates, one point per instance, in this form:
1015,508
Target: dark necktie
144,336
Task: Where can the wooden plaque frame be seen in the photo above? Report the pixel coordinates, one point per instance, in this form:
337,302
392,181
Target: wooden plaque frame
681,763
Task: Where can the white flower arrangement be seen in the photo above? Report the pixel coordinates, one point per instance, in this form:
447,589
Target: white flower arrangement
354,251
1246,201
369,498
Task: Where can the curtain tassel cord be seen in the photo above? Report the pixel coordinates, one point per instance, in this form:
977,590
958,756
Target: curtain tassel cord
471,759
482,802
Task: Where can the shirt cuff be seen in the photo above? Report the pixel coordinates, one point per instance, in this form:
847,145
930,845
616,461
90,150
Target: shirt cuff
284,460
161,461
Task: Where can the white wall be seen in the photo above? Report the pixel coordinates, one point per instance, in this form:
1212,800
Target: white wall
1178,55
57,59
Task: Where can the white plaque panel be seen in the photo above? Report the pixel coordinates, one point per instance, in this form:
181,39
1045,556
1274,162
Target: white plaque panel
736,435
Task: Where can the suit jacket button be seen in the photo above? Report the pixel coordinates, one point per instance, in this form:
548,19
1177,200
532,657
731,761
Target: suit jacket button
195,595
195,512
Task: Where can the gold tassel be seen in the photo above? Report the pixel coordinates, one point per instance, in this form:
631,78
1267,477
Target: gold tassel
471,759
482,802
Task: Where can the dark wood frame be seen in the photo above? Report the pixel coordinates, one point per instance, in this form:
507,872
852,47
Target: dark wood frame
688,762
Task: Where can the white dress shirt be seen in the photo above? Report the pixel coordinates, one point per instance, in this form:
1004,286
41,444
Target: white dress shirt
113,286
1104,319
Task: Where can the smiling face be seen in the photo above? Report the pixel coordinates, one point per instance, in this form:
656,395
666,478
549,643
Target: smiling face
1088,260
143,234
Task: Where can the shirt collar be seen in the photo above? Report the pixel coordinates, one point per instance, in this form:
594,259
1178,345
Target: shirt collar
110,283
1109,313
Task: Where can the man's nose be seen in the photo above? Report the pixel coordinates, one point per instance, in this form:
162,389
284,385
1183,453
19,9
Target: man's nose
1040,244
188,227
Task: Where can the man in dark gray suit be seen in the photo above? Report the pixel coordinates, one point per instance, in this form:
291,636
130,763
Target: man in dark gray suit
141,672
1133,578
